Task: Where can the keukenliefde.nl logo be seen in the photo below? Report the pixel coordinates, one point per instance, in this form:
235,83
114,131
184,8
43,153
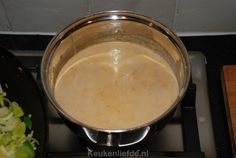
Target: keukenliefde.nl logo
118,153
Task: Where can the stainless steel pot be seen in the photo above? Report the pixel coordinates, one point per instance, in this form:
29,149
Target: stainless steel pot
108,26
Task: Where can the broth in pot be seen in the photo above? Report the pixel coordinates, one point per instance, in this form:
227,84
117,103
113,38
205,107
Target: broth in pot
116,85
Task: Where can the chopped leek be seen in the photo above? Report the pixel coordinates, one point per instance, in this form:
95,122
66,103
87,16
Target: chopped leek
14,143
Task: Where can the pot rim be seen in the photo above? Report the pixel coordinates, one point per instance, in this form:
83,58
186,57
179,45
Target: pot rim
114,15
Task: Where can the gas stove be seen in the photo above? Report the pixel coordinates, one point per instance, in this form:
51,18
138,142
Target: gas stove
189,134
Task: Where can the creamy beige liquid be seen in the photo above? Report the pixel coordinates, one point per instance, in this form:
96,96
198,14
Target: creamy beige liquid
116,85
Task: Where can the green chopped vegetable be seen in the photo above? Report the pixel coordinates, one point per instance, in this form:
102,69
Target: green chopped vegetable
27,121
14,143
25,151
5,139
16,109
